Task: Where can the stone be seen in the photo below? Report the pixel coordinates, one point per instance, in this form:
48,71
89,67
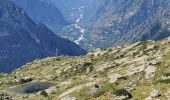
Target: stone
155,93
94,89
50,90
135,70
26,79
114,77
105,66
155,62
89,69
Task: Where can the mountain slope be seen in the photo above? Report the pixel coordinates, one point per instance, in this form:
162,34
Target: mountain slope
121,17
43,12
157,27
114,22
68,7
118,73
22,40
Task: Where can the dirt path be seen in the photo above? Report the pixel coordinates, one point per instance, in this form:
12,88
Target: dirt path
78,88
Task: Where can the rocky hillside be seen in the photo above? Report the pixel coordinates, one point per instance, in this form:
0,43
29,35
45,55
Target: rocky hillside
23,41
138,71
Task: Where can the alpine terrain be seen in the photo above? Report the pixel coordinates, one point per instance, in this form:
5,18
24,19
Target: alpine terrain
138,71
125,55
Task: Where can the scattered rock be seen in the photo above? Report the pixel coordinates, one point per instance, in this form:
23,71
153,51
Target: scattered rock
154,62
5,96
113,78
25,80
94,89
89,69
135,70
150,72
105,66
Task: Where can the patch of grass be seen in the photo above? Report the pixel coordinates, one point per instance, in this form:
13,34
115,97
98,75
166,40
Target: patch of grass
167,81
166,74
99,93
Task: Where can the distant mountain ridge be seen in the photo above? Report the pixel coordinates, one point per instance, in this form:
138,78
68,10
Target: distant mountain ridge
112,22
43,12
23,41
122,17
105,23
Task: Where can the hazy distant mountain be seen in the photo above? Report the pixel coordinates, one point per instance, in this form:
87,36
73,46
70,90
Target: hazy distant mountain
22,40
43,12
112,22
121,17
69,7
104,23
156,27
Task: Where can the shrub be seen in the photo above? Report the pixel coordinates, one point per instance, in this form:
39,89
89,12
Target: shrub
122,92
44,93
167,81
98,93
166,74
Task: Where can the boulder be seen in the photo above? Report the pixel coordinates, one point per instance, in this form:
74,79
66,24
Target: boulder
26,79
155,93
50,90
